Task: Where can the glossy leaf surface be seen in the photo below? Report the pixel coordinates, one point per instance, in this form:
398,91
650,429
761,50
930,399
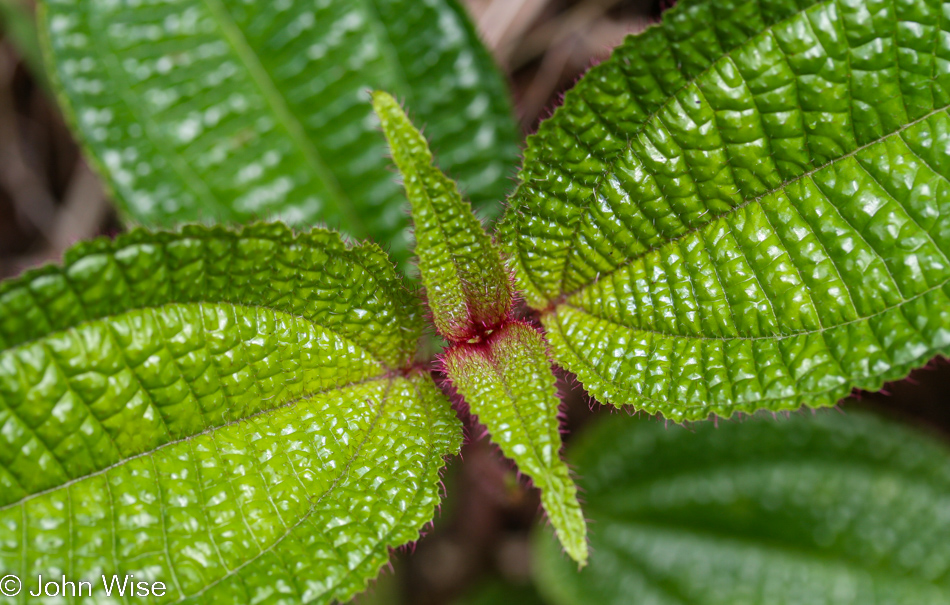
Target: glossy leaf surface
826,510
508,384
774,233
467,285
229,110
227,412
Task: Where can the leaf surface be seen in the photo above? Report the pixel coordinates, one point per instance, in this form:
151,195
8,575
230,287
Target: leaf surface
763,229
467,285
508,384
228,412
230,110
826,509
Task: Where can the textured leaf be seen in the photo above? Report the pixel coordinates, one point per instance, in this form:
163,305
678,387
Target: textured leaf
467,285
825,510
764,230
501,368
507,382
229,413
230,109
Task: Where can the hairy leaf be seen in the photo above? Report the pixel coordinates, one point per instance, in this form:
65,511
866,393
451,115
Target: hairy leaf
467,285
508,384
762,230
202,408
825,510
229,110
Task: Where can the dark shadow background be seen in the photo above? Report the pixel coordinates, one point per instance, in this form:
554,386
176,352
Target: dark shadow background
49,199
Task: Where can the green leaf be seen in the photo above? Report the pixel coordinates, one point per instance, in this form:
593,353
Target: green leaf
508,384
817,509
232,413
467,285
500,367
230,110
765,230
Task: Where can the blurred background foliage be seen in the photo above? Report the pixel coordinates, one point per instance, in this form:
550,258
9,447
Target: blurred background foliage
478,551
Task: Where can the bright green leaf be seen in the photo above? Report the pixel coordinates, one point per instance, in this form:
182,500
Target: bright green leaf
508,384
229,110
501,368
201,408
765,230
467,285
823,510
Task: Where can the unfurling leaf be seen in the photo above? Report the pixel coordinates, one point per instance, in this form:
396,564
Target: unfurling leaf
201,408
746,212
499,366
507,383
467,285
826,509
227,110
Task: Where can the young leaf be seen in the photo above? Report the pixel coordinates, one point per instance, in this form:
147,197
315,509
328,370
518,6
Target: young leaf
467,285
763,230
500,367
215,109
827,509
507,382
198,408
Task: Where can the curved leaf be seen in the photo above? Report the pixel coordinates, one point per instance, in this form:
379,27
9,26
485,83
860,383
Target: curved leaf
818,510
229,110
578,148
199,408
775,232
508,384
467,286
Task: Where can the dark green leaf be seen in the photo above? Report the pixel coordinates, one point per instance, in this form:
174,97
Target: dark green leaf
229,109
823,510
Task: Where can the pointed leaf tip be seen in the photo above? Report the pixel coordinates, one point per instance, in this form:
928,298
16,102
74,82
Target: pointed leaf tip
726,252
508,384
468,287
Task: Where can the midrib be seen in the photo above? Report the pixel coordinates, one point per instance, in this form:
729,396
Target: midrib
564,297
278,104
